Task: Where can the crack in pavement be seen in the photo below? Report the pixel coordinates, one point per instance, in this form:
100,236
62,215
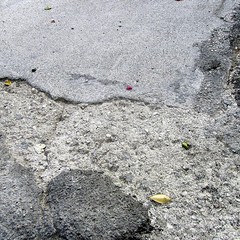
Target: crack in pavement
138,146
144,157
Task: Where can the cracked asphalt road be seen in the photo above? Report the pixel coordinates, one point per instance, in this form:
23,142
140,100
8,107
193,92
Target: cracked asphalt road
71,133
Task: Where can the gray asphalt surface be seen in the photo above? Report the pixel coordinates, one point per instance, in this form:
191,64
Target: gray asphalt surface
90,51
86,171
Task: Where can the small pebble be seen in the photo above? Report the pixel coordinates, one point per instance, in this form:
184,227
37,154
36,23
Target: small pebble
34,90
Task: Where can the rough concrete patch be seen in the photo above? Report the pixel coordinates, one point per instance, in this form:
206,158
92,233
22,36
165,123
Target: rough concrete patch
34,125
86,205
227,129
235,45
214,62
220,61
139,147
22,216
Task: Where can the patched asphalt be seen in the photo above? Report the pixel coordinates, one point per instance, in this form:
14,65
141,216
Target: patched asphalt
92,51
86,171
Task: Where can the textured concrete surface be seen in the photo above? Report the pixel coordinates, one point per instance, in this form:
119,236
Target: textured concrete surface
139,147
21,212
46,144
77,205
87,205
235,45
89,51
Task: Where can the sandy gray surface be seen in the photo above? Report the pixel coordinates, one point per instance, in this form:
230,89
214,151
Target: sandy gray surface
135,141
94,49
139,147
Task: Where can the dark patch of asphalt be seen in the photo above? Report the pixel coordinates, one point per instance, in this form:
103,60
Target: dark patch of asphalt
77,205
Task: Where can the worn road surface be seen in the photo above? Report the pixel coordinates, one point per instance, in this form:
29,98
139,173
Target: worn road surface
89,51
102,96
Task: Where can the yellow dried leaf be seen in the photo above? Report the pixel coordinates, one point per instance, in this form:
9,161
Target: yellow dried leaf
160,198
7,82
186,145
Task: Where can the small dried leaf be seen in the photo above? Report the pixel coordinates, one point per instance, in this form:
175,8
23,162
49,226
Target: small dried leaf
47,8
7,82
186,145
160,198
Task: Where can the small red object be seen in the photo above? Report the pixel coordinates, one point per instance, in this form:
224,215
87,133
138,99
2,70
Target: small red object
129,88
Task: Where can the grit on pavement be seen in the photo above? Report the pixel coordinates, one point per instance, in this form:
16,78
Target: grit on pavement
102,96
